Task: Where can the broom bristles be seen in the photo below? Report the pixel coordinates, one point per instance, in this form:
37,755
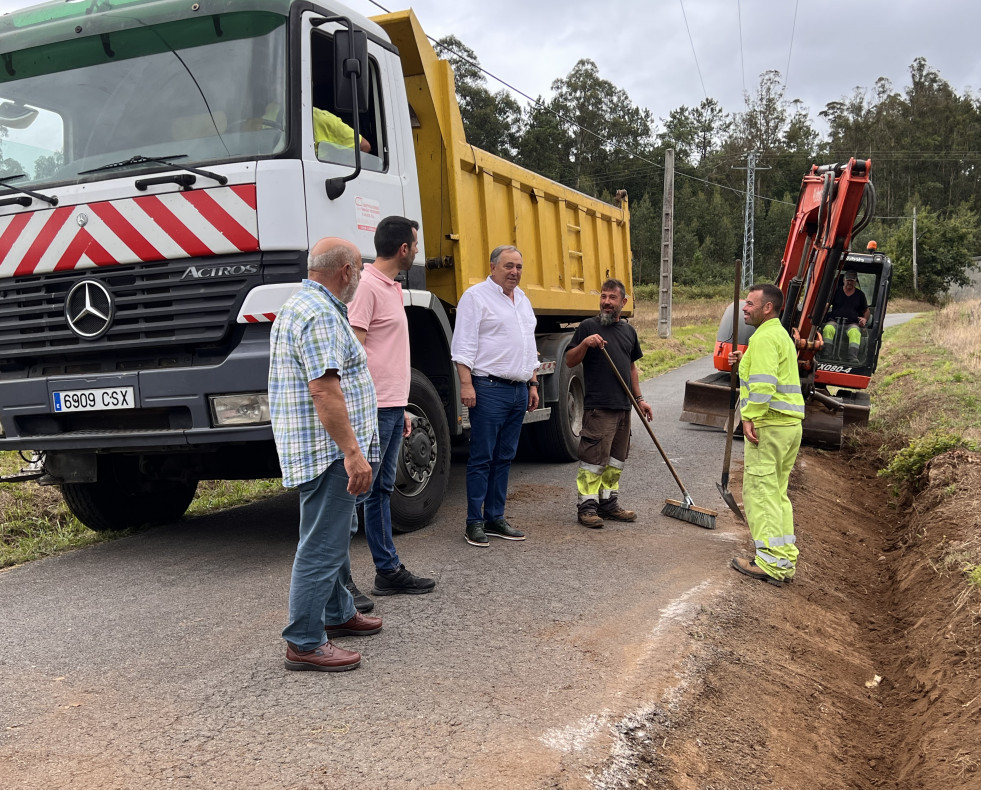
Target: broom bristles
699,516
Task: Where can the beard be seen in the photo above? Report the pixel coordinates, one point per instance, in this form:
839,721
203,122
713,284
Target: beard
608,319
347,295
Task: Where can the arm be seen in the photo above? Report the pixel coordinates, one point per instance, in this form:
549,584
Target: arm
328,399
758,384
360,334
645,407
577,354
533,395
467,393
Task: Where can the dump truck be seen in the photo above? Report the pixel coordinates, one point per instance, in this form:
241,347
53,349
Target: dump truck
836,202
161,187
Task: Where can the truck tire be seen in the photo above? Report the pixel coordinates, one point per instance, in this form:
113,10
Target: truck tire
423,466
120,499
558,438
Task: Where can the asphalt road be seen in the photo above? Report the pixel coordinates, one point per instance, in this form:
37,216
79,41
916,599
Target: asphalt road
155,661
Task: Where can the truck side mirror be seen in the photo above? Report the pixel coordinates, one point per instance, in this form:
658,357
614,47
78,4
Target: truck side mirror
350,59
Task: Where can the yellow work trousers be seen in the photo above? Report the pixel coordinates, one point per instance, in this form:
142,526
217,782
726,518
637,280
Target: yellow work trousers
766,472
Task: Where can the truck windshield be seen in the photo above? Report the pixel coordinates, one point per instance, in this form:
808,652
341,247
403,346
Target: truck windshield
212,88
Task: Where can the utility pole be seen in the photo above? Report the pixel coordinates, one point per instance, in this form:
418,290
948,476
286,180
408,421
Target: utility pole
667,246
914,249
749,220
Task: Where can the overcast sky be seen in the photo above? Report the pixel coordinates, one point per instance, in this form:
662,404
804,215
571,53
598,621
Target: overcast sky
643,46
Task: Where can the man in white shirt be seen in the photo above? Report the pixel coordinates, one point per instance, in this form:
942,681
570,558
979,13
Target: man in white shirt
496,357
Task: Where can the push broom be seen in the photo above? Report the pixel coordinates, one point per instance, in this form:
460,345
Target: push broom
685,510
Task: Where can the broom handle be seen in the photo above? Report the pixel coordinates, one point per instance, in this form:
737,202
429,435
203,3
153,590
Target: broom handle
643,419
733,379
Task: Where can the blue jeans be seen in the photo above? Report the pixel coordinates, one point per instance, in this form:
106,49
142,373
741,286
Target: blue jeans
377,502
318,596
495,427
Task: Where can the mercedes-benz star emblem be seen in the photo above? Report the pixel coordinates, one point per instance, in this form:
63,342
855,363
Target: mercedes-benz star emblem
89,309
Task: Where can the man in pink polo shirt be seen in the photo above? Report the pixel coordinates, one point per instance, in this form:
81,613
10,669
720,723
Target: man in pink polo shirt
378,319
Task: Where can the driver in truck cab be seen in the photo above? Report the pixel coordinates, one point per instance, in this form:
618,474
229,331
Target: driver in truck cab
850,305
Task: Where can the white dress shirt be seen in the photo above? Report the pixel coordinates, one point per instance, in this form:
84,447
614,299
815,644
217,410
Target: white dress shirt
495,336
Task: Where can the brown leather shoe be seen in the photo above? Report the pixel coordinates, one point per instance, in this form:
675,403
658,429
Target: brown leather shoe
326,658
359,625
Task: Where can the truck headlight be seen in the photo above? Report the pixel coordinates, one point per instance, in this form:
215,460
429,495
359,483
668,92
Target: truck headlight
244,409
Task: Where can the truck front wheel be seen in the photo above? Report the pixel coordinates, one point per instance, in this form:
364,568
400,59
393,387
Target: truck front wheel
424,461
121,498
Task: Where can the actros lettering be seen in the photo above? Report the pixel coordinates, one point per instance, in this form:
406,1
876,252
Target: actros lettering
211,272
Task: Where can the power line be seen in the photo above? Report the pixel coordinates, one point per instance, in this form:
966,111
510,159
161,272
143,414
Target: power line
793,31
742,57
617,146
693,53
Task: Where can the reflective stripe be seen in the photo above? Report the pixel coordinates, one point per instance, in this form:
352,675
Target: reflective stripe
616,463
763,378
743,383
760,397
782,540
784,406
593,469
793,389
780,563
587,498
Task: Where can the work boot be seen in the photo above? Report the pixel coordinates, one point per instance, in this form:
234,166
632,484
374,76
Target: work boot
588,516
610,509
361,601
476,536
401,582
499,528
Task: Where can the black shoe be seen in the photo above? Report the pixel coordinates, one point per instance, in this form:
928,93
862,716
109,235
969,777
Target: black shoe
500,528
401,582
361,601
476,536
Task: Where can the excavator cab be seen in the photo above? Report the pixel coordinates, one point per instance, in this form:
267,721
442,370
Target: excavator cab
839,357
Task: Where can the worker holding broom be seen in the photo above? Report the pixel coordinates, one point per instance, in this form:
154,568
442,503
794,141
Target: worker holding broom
772,409
605,437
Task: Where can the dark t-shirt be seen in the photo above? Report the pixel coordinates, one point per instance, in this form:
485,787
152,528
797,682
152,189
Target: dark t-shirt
603,391
851,308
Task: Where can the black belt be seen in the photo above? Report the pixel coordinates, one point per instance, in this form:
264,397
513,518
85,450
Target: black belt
499,380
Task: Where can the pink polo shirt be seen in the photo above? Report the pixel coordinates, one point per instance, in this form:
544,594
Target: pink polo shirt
377,308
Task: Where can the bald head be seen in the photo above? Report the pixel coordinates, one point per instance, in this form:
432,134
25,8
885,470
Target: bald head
336,264
331,254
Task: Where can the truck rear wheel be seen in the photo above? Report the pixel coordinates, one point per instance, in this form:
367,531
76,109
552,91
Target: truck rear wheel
558,438
121,498
423,467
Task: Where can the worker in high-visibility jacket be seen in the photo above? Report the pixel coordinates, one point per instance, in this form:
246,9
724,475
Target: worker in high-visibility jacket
772,409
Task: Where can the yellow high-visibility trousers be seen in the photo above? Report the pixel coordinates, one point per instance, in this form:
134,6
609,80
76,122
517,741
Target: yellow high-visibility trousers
766,472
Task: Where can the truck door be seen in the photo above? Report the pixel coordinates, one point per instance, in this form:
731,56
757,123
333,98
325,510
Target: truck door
328,145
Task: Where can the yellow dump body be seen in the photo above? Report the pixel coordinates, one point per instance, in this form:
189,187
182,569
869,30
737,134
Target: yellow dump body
473,201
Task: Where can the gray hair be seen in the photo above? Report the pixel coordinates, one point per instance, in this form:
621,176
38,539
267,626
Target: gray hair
333,260
498,251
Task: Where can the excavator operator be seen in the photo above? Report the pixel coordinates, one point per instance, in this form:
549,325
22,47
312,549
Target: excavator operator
850,305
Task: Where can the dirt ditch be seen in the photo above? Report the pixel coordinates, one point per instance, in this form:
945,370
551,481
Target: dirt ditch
863,673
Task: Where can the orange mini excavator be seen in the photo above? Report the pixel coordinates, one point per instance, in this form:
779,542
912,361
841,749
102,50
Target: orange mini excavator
836,202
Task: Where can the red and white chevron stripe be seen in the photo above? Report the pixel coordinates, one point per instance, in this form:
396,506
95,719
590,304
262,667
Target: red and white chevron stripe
196,223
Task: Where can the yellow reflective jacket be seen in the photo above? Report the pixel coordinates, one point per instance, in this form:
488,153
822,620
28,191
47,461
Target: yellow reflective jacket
769,384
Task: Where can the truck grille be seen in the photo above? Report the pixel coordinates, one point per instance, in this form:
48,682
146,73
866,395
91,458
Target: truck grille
155,303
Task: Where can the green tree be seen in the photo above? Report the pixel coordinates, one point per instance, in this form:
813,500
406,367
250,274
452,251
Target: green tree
492,121
943,252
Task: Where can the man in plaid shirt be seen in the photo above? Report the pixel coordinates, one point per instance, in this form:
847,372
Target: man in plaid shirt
323,408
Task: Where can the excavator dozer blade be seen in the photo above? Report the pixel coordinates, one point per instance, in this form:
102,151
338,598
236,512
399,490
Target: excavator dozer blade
707,401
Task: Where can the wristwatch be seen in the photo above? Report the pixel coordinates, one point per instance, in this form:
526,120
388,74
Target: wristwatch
532,384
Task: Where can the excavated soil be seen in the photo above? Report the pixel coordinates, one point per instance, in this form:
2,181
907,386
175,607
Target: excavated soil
862,673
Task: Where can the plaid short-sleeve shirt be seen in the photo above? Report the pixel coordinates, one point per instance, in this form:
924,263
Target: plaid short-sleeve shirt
310,336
